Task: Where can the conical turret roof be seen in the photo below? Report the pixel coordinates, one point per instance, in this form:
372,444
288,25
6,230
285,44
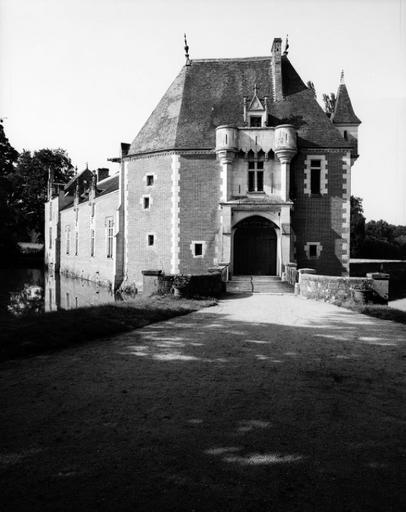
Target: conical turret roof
343,112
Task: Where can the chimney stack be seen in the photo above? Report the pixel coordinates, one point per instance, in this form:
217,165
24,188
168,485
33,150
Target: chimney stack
276,65
102,173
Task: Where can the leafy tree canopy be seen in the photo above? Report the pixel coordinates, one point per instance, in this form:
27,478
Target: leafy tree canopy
32,173
8,155
376,238
8,159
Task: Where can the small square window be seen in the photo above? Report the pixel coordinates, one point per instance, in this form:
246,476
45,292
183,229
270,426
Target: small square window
150,180
315,163
312,250
251,165
198,249
260,164
255,121
146,203
151,240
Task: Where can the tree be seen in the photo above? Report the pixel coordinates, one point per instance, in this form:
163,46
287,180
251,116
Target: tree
8,155
33,171
8,158
329,103
357,227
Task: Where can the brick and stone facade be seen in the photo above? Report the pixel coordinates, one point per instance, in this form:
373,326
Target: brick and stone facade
238,165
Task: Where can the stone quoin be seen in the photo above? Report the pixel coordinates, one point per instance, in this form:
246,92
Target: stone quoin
238,165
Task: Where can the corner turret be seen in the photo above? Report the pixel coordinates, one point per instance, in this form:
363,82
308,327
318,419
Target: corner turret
344,117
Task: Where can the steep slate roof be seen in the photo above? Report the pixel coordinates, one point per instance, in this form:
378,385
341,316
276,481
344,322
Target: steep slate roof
105,187
343,112
210,92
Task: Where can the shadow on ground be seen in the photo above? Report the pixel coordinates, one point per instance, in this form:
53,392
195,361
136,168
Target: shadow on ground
208,413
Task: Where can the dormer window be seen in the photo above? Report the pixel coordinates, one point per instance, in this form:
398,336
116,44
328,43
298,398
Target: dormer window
255,121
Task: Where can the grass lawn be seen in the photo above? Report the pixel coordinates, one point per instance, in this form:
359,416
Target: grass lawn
382,312
29,335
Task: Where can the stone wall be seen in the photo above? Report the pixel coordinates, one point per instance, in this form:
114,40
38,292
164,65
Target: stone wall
334,289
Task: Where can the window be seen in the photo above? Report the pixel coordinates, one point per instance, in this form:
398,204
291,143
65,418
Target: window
151,240
255,121
150,180
345,135
67,239
76,243
312,250
255,176
109,236
92,242
315,172
50,238
198,249
146,202
316,176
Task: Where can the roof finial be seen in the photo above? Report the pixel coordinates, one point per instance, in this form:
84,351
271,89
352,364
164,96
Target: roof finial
255,89
342,78
187,52
286,45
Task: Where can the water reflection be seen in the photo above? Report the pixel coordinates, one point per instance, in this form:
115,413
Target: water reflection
62,292
26,291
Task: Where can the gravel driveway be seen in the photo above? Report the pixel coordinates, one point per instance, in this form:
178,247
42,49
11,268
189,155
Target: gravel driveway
262,403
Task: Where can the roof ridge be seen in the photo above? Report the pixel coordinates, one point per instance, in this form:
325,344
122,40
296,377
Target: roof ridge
228,59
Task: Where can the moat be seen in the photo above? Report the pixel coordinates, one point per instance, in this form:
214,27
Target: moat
33,290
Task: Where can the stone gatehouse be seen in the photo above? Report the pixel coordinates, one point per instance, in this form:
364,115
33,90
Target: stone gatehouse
237,165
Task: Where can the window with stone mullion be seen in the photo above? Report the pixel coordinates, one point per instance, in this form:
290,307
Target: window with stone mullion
255,176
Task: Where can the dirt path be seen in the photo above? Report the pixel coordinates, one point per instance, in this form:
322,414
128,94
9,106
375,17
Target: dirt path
264,403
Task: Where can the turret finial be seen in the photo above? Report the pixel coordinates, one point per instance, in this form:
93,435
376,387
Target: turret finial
255,89
286,45
342,78
187,52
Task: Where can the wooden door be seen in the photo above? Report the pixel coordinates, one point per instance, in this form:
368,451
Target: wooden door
255,247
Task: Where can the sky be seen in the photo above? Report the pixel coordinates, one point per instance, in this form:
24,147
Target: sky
84,75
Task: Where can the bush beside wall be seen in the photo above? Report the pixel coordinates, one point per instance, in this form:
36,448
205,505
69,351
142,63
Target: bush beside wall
183,285
200,285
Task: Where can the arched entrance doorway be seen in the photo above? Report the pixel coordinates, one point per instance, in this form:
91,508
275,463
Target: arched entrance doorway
255,247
